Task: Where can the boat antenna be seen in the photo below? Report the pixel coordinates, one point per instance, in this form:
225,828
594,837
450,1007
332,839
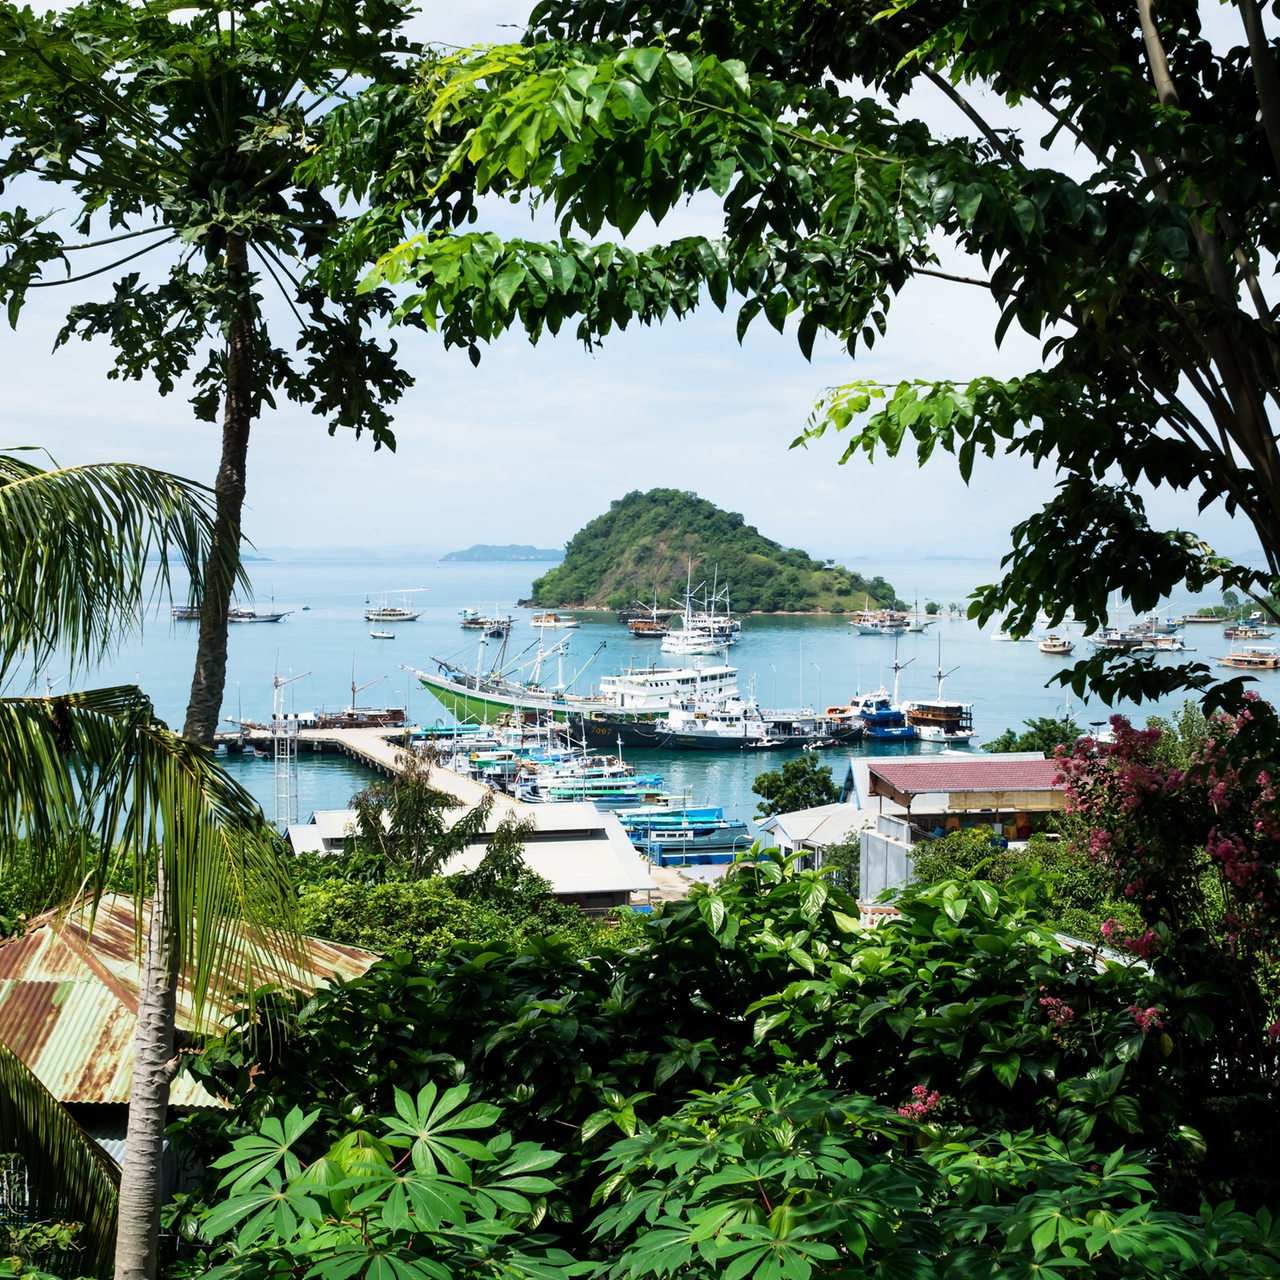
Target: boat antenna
942,675
898,668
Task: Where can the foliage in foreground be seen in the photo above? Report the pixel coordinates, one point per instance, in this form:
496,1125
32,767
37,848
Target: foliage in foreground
779,1179
780,1076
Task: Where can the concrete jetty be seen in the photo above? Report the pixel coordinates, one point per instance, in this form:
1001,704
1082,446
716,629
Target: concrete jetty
385,751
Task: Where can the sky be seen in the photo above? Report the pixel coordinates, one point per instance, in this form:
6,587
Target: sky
536,441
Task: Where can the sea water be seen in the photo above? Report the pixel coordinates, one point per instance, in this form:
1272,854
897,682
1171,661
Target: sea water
323,647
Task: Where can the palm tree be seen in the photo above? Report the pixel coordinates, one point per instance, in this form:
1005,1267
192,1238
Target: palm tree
96,786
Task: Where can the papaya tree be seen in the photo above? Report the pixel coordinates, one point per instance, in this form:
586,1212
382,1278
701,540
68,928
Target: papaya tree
171,135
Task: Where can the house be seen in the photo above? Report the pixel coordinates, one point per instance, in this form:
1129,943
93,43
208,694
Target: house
1010,795
582,853
813,831
893,802
69,1008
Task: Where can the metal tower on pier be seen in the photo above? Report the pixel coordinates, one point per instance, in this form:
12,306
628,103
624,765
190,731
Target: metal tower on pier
284,741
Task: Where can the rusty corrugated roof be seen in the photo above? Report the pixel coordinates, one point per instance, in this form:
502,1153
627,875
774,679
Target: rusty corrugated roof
980,773
69,1000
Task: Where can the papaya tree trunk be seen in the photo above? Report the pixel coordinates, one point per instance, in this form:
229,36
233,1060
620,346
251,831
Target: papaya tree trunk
154,1065
210,675
155,1061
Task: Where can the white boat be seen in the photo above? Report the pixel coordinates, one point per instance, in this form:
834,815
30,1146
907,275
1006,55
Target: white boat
384,612
1055,644
1162,643
382,635
702,632
391,613
693,642
555,621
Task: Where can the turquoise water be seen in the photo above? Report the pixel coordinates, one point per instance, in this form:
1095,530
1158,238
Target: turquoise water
320,649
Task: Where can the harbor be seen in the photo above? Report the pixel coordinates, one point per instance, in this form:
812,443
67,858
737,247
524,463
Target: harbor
324,645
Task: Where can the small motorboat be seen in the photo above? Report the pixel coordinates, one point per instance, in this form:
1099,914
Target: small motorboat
1055,644
383,635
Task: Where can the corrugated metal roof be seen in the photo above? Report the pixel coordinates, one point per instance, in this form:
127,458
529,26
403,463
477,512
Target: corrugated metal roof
69,1000
981,773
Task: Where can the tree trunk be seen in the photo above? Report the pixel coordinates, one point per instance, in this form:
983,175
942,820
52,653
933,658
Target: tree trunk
155,1062
154,1065
210,675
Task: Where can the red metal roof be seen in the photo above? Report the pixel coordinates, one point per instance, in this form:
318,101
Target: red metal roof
69,1000
981,773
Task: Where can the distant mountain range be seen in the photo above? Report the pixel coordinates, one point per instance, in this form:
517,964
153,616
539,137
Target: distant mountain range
483,551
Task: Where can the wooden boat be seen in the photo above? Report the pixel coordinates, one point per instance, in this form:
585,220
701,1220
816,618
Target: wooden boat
557,621
1252,658
939,719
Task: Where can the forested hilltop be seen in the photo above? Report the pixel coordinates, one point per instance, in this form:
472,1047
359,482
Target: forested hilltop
644,543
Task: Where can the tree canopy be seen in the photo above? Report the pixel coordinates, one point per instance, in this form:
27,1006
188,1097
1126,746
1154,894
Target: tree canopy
1140,263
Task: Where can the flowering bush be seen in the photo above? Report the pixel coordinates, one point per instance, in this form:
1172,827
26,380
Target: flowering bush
1191,839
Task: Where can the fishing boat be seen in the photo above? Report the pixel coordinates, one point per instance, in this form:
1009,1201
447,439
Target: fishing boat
635,691
1253,657
1056,645
648,628
882,720
349,717
242,615
694,643
1246,631
939,719
878,622
689,835
1112,638
1160,643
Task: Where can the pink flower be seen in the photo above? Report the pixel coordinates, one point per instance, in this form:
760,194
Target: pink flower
1147,1019
1059,1012
923,1101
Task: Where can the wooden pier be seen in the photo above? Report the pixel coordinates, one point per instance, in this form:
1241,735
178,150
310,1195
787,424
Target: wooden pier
385,751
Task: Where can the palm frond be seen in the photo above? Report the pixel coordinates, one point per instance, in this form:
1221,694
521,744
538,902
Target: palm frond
81,547
94,783
69,1177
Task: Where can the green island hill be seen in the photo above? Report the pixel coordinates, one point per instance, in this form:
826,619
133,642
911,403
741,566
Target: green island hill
640,550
